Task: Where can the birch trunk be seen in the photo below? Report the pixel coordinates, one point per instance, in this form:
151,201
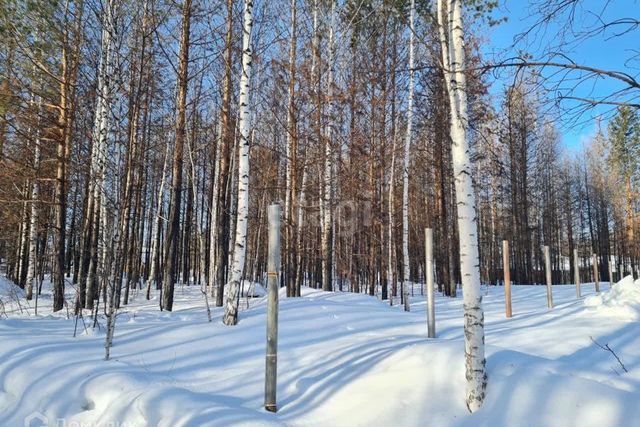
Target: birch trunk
327,215
33,218
299,241
240,247
453,63
291,158
22,254
405,170
99,147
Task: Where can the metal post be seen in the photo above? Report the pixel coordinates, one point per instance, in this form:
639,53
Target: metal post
576,273
431,313
507,277
547,265
273,270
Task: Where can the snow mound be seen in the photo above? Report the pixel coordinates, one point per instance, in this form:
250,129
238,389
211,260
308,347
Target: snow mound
622,300
252,289
8,288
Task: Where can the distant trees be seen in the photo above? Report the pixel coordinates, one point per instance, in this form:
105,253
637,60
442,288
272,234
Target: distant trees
110,119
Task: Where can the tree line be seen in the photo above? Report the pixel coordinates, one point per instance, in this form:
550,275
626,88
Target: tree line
122,131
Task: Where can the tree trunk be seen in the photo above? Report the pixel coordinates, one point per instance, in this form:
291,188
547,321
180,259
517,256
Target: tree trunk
173,228
240,248
327,216
291,161
454,63
405,166
226,144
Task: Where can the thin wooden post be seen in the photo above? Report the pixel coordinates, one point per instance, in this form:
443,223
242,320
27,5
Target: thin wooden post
547,267
576,273
507,277
431,313
273,270
596,278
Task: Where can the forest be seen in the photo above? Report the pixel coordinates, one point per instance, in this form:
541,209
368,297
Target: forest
141,142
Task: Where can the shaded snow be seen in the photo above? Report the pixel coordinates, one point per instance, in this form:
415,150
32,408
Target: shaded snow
344,360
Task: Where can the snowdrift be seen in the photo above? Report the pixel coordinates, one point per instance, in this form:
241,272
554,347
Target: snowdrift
622,300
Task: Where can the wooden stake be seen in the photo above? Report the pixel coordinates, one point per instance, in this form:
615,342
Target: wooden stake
507,277
596,278
431,313
273,270
547,267
576,273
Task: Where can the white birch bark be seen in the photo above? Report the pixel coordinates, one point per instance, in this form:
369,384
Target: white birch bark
317,81
290,117
405,170
291,155
100,134
24,235
240,247
301,202
33,218
453,63
327,215
36,101
106,225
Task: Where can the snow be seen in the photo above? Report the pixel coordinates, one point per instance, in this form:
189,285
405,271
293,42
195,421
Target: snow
252,289
622,300
344,360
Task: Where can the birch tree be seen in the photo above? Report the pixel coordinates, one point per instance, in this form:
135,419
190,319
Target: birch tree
96,219
405,165
239,251
452,47
33,217
291,157
327,190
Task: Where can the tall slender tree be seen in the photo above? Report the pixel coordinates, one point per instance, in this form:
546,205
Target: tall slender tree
240,247
405,164
173,221
452,45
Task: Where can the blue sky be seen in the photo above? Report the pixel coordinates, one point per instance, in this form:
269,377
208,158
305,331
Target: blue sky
606,50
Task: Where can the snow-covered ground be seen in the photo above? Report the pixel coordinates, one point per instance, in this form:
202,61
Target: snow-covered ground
344,360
